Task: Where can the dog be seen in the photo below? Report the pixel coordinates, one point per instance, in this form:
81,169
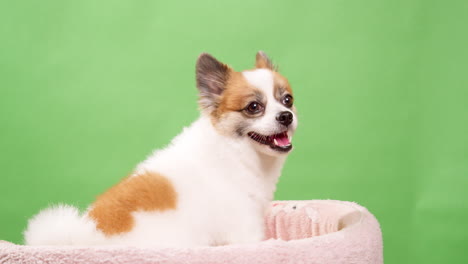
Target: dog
211,186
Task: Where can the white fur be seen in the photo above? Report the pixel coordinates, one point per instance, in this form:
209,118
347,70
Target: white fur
61,225
224,186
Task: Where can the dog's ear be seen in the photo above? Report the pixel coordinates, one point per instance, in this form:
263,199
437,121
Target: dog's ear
212,77
262,61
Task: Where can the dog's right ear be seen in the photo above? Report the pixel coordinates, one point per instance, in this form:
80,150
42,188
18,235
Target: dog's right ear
262,61
212,77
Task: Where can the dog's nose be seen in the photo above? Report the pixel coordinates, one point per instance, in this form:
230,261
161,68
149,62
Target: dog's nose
285,118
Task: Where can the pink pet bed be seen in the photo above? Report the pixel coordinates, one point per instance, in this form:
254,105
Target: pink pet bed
317,231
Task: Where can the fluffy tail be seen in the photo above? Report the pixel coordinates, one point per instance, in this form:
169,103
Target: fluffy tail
61,225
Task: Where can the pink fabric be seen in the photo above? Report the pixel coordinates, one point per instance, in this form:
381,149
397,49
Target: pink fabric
317,231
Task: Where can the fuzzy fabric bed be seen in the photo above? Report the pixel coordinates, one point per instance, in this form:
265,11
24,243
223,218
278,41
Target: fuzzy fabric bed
317,231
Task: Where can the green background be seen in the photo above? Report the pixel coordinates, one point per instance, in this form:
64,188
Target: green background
89,88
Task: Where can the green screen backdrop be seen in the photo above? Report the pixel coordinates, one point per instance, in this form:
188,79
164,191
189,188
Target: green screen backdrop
89,88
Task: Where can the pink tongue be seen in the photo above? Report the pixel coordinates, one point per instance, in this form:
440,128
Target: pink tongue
282,140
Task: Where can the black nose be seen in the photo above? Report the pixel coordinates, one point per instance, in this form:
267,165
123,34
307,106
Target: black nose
285,118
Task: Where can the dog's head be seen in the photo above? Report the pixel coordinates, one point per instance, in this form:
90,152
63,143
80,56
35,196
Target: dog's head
253,105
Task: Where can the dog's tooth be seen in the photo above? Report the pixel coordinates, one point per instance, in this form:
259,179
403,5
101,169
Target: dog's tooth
275,141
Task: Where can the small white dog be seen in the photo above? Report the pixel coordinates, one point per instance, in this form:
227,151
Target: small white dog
211,186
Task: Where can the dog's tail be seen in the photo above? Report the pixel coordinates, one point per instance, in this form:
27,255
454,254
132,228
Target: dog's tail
62,225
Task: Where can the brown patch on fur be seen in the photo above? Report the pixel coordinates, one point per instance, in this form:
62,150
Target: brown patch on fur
237,95
281,85
145,192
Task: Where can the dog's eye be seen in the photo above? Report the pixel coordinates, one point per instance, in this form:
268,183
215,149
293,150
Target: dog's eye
254,108
288,100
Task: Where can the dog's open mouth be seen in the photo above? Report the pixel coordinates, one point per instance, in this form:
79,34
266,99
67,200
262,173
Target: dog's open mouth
279,142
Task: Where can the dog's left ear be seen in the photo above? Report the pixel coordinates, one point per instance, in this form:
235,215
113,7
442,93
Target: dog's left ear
212,77
262,61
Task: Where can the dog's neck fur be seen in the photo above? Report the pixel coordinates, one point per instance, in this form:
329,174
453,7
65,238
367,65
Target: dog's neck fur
204,152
